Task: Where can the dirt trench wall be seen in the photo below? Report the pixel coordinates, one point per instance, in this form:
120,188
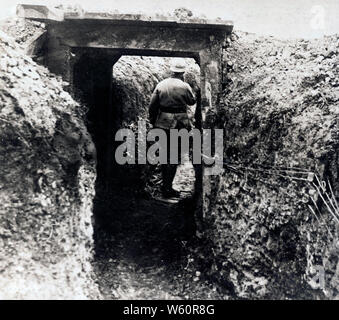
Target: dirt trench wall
47,179
279,111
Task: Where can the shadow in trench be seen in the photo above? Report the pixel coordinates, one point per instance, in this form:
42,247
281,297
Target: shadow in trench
148,231
141,244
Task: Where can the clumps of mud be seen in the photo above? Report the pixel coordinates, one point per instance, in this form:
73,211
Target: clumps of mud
280,114
46,184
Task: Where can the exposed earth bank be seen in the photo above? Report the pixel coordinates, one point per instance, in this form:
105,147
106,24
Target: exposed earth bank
47,184
270,225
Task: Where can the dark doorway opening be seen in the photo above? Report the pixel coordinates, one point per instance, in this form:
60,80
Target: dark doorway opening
117,94
141,237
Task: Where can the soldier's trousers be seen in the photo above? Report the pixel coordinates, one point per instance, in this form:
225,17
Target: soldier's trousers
168,170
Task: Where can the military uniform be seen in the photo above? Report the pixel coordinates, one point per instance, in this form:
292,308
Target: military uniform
169,101
169,109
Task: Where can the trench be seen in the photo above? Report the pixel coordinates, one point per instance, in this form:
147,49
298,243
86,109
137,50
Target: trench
143,242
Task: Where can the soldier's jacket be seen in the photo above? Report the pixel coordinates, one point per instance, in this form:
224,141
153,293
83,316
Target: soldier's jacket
169,104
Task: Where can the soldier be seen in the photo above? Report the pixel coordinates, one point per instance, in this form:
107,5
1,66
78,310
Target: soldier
168,109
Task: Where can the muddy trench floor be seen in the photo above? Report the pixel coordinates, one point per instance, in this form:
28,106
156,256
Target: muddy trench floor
147,250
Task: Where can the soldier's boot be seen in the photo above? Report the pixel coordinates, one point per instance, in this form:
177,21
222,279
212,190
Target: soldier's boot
168,174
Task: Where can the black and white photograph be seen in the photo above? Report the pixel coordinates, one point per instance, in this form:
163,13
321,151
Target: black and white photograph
183,151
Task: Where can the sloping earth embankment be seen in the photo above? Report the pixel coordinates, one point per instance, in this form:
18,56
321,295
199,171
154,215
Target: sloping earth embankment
271,230
47,179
